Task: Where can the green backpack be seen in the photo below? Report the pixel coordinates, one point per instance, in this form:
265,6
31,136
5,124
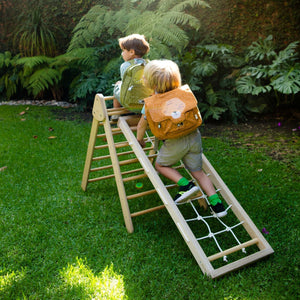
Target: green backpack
133,90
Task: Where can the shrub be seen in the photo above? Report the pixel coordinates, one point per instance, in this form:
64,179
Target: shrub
274,75
208,70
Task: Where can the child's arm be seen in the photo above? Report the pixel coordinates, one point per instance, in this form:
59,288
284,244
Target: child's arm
141,129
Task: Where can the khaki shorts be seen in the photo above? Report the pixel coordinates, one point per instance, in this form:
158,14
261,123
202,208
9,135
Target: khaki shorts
187,148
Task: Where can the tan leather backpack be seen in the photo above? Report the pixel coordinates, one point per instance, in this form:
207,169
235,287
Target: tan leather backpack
173,114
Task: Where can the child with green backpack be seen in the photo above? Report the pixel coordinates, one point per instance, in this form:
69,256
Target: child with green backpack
130,90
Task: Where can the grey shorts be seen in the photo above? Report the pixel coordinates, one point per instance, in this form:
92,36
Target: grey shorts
187,148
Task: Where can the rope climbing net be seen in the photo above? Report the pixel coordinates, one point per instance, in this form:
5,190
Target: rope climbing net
198,217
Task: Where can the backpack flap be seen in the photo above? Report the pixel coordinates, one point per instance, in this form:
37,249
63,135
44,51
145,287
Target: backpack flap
173,114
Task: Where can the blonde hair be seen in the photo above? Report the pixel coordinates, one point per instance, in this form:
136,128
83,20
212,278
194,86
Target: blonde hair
162,75
136,42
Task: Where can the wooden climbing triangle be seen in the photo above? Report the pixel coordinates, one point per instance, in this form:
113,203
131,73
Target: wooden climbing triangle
122,158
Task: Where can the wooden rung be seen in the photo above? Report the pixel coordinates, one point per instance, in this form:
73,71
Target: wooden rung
109,156
146,193
145,211
135,177
117,111
149,192
132,171
101,178
125,153
116,132
117,145
101,168
121,144
128,161
100,157
101,147
108,97
233,249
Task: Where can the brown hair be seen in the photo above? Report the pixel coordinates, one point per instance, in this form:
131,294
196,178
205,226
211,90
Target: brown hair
136,42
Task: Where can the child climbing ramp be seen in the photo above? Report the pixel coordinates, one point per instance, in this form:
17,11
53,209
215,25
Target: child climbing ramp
114,153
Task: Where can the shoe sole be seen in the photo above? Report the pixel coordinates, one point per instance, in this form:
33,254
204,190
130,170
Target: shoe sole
187,195
221,214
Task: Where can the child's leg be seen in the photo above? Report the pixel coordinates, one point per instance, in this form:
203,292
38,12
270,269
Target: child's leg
116,103
204,182
186,189
209,189
168,172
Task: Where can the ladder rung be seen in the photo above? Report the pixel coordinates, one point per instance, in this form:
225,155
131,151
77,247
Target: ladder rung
100,157
233,249
101,178
117,111
128,161
135,177
108,98
101,135
121,144
145,211
141,194
101,168
117,145
108,156
149,192
133,171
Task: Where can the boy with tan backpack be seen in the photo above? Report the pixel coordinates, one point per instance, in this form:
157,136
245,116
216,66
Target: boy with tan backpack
173,116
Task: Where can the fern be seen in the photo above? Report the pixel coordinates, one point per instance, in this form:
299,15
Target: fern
162,22
41,80
9,74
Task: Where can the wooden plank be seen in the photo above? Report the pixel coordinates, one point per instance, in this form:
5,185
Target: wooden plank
146,211
89,155
240,263
233,249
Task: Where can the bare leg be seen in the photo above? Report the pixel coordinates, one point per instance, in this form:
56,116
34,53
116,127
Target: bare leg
204,182
168,172
116,103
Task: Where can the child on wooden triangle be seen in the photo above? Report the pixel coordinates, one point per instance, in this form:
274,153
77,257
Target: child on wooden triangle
163,76
130,90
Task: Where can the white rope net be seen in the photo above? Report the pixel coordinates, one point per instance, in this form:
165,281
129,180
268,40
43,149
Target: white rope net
197,217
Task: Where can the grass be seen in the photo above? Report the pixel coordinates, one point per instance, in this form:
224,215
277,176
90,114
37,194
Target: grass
58,242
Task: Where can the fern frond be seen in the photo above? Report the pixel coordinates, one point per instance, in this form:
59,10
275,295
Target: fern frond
89,27
42,79
179,18
34,61
180,6
80,56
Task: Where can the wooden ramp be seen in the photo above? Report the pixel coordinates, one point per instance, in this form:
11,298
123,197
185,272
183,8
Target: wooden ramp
218,248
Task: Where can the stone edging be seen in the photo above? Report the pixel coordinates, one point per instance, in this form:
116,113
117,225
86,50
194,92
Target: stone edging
39,103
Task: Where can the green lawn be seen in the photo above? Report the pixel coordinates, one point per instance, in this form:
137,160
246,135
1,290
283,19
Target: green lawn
59,242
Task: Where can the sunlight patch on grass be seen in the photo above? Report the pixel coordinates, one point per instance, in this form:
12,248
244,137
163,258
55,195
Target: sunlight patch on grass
80,279
10,278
